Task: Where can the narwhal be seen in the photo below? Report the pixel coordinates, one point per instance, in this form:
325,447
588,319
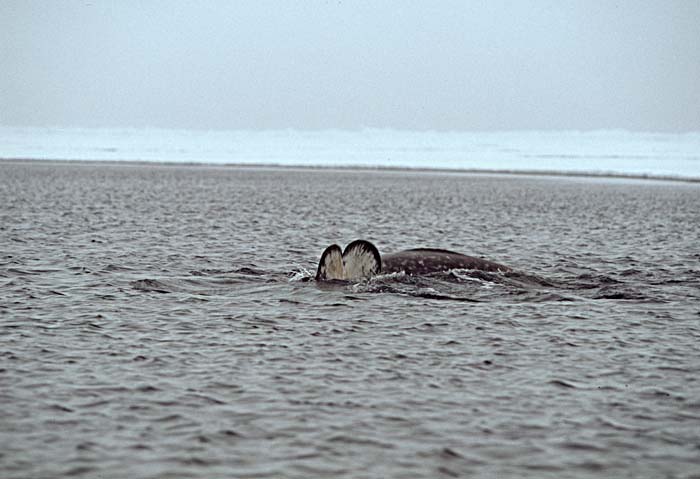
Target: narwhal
361,260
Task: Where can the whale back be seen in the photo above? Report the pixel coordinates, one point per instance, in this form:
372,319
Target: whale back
431,260
360,260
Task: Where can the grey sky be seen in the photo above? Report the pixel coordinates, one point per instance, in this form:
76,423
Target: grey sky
443,65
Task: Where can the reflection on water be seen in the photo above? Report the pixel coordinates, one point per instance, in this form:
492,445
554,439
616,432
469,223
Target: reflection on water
156,322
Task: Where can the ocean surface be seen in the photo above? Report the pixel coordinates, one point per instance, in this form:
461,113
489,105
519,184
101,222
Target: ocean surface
161,321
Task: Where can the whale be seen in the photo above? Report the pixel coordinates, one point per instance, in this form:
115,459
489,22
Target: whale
361,260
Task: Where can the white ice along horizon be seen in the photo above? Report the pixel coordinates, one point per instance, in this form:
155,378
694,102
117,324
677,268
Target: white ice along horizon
597,152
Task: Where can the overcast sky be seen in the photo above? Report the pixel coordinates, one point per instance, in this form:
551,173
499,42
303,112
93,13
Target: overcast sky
429,65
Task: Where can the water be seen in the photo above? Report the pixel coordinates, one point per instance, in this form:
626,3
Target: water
159,322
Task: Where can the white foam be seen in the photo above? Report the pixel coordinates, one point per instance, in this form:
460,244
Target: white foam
300,274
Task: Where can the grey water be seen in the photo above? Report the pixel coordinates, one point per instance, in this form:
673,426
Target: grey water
161,321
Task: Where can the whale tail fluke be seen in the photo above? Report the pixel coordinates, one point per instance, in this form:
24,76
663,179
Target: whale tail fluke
360,260
331,264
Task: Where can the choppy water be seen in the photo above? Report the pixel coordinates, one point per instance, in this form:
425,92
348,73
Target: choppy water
157,322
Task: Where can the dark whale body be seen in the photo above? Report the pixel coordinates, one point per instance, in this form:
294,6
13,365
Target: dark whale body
429,260
361,260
